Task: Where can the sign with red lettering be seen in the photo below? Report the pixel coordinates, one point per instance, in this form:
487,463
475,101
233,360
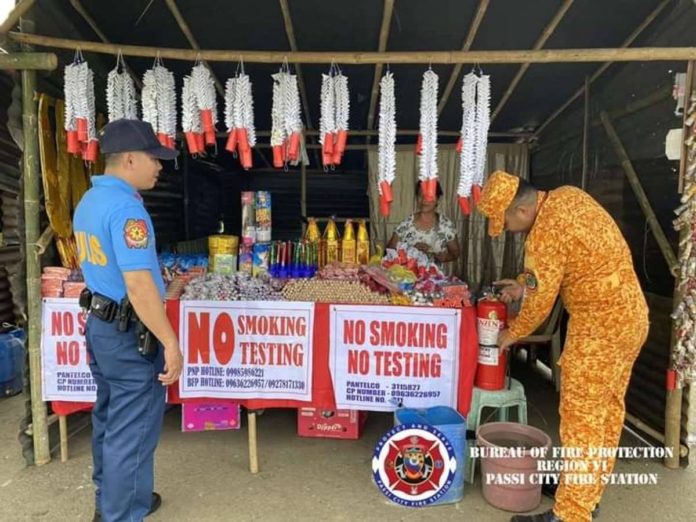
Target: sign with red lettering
246,350
64,361
387,357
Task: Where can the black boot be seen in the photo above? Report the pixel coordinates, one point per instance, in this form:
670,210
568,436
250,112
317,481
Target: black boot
550,491
156,503
546,516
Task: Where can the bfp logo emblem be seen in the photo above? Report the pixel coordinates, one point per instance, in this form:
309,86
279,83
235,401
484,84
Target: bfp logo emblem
414,465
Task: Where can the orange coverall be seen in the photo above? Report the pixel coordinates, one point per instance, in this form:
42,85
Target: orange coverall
576,248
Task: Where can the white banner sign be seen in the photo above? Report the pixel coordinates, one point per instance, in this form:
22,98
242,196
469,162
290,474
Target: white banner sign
384,357
64,362
246,350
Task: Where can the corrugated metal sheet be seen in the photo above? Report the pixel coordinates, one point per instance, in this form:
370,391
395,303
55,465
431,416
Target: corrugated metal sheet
12,284
165,203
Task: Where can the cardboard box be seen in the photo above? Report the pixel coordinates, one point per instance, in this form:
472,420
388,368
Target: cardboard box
210,416
339,424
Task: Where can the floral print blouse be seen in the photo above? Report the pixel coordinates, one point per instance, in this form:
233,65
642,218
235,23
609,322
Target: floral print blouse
437,237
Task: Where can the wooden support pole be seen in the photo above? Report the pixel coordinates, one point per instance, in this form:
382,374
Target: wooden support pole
63,425
541,41
32,211
253,447
642,54
634,181
456,71
600,70
19,10
682,450
29,61
586,136
183,25
44,240
93,24
381,47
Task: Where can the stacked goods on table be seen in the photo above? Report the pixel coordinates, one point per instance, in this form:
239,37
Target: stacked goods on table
235,287
57,281
223,254
332,291
175,266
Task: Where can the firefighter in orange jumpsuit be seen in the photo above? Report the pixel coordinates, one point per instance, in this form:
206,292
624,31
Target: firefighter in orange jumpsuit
574,248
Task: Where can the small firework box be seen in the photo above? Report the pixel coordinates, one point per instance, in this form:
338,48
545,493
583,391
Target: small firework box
210,416
339,424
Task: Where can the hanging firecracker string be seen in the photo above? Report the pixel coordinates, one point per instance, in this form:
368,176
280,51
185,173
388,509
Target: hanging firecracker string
327,119
80,114
191,119
204,90
387,138
472,144
428,136
120,93
335,114
683,369
159,102
285,117
239,117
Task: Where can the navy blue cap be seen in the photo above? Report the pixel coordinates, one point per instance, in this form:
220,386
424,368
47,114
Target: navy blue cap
133,135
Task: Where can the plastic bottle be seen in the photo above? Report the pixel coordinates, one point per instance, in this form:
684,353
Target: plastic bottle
348,244
363,245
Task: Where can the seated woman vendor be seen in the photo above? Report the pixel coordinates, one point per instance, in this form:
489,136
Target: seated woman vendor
428,231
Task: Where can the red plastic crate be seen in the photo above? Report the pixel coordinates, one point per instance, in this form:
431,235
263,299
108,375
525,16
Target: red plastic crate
339,424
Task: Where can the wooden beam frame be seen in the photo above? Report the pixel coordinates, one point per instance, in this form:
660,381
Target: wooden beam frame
602,68
19,10
635,54
381,47
29,61
183,25
473,30
662,241
541,41
77,5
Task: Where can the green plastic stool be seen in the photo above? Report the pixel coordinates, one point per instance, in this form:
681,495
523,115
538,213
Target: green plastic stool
500,399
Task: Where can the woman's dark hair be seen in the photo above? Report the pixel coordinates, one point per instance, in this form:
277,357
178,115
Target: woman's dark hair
438,190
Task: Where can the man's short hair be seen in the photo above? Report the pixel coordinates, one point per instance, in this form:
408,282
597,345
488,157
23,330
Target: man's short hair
526,192
113,158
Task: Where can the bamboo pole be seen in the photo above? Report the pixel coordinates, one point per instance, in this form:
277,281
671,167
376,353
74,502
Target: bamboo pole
183,25
585,135
63,425
30,164
634,181
93,24
641,54
473,30
541,41
682,450
19,10
253,447
29,61
381,47
600,70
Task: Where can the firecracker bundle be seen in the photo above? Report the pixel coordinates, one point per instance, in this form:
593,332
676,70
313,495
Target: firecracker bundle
333,122
684,316
159,103
239,118
386,143
121,99
472,144
286,118
426,147
80,114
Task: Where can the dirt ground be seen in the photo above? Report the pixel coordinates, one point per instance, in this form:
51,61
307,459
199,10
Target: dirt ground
204,476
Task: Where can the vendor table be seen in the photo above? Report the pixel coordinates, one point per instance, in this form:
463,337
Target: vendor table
322,385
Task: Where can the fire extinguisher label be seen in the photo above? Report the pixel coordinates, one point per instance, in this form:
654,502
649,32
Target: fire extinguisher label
488,355
488,330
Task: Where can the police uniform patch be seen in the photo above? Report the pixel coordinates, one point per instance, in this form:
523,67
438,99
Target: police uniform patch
135,233
530,281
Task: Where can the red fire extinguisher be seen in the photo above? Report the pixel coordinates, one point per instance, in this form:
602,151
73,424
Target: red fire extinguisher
491,318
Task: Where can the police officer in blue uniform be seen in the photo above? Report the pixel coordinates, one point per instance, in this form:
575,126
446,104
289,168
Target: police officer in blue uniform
116,247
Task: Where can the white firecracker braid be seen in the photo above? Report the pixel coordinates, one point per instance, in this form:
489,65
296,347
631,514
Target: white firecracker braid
428,127
342,102
83,85
387,132
70,76
483,122
467,159
230,93
120,96
190,116
149,99
166,101
247,113
327,121
91,109
278,135
293,119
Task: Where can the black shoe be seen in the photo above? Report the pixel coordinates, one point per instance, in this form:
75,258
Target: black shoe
550,491
546,516
156,503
